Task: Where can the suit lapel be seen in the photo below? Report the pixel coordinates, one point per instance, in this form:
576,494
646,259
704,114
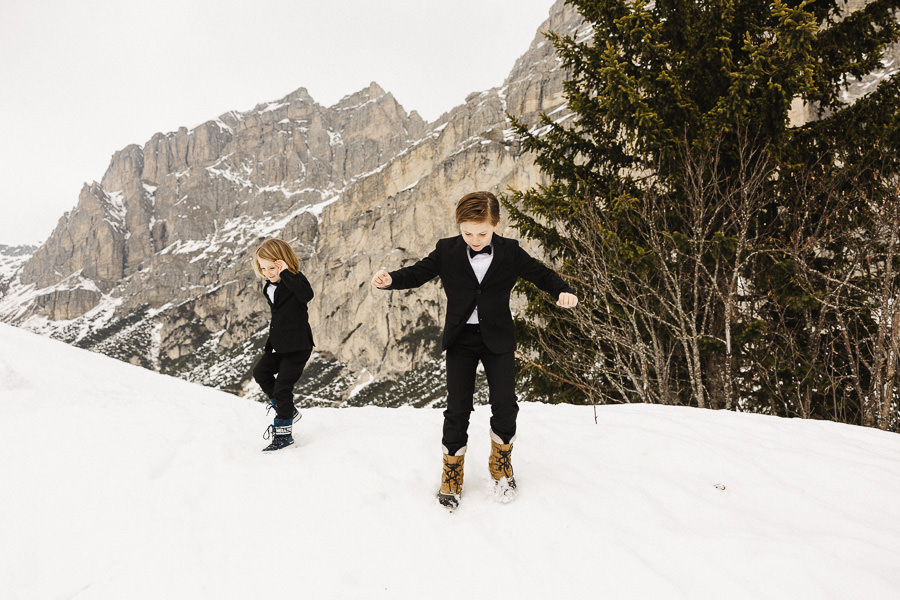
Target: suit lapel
266,292
467,266
279,292
496,250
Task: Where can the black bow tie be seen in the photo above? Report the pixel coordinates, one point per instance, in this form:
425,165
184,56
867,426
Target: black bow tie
485,250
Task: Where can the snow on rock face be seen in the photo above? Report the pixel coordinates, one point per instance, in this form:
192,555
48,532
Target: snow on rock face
354,187
11,260
122,483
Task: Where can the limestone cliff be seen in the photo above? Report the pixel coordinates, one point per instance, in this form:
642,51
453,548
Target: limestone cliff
153,263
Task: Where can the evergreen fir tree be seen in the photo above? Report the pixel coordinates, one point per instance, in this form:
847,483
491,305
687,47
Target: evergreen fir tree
711,241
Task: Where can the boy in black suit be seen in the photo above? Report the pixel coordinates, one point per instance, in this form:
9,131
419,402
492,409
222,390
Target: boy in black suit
478,271
290,340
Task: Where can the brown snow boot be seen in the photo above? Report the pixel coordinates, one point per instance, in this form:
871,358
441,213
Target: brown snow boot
452,478
500,465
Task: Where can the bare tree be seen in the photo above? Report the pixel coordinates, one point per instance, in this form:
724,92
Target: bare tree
657,315
847,252
715,293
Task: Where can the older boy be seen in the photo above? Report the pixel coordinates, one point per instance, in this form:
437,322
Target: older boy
478,270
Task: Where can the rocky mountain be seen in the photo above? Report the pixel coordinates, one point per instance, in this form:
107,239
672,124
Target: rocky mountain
11,260
152,266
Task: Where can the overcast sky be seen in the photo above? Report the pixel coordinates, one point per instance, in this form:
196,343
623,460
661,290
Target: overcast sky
81,79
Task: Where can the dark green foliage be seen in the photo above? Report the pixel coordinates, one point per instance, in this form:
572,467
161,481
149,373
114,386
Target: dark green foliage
127,339
724,256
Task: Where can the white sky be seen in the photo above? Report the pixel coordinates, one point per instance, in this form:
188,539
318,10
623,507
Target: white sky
82,79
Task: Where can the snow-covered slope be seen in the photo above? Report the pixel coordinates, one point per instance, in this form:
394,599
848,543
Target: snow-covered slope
122,483
11,259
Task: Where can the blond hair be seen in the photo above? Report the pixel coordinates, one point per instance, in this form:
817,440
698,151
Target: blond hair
478,207
275,249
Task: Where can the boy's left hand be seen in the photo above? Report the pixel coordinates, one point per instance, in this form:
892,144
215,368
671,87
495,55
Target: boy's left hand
281,265
567,300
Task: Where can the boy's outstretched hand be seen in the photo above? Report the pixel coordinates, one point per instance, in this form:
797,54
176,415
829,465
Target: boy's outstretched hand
567,300
381,279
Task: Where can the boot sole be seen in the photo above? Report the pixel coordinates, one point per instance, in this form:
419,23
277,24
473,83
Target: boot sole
505,490
271,449
448,501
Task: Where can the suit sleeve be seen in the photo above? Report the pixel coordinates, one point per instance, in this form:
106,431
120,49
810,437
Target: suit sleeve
298,285
528,268
418,274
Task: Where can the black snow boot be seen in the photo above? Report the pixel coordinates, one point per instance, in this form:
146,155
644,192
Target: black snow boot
281,435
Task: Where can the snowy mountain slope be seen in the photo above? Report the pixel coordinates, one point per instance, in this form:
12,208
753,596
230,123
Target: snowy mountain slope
123,483
11,259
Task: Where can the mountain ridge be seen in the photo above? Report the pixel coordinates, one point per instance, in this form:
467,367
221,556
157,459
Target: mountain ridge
152,264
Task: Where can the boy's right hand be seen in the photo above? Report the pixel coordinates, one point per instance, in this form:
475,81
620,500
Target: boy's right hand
381,279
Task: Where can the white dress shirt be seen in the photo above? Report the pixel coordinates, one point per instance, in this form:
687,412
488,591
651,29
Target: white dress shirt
480,264
270,292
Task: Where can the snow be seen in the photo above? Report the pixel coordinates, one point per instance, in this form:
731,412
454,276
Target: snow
335,138
858,88
186,247
11,263
116,211
222,125
236,178
122,483
243,179
272,106
355,106
542,130
888,69
287,192
362,384
14,304
316,209
237,233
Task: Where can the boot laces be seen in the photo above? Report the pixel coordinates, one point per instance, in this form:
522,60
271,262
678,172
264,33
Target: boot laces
270,431
452,475
504,461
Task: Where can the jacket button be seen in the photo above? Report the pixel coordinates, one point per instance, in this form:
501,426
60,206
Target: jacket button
477,292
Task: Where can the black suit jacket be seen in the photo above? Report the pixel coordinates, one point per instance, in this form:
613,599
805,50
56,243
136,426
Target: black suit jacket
450,261
289,330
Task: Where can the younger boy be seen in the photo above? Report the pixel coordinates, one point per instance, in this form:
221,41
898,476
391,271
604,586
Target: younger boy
290,341
478,270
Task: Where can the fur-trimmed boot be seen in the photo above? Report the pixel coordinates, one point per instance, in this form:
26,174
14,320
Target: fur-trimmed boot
500,465
281,435
452,478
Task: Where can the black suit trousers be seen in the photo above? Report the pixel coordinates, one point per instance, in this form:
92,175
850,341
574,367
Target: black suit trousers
288,367
462,361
